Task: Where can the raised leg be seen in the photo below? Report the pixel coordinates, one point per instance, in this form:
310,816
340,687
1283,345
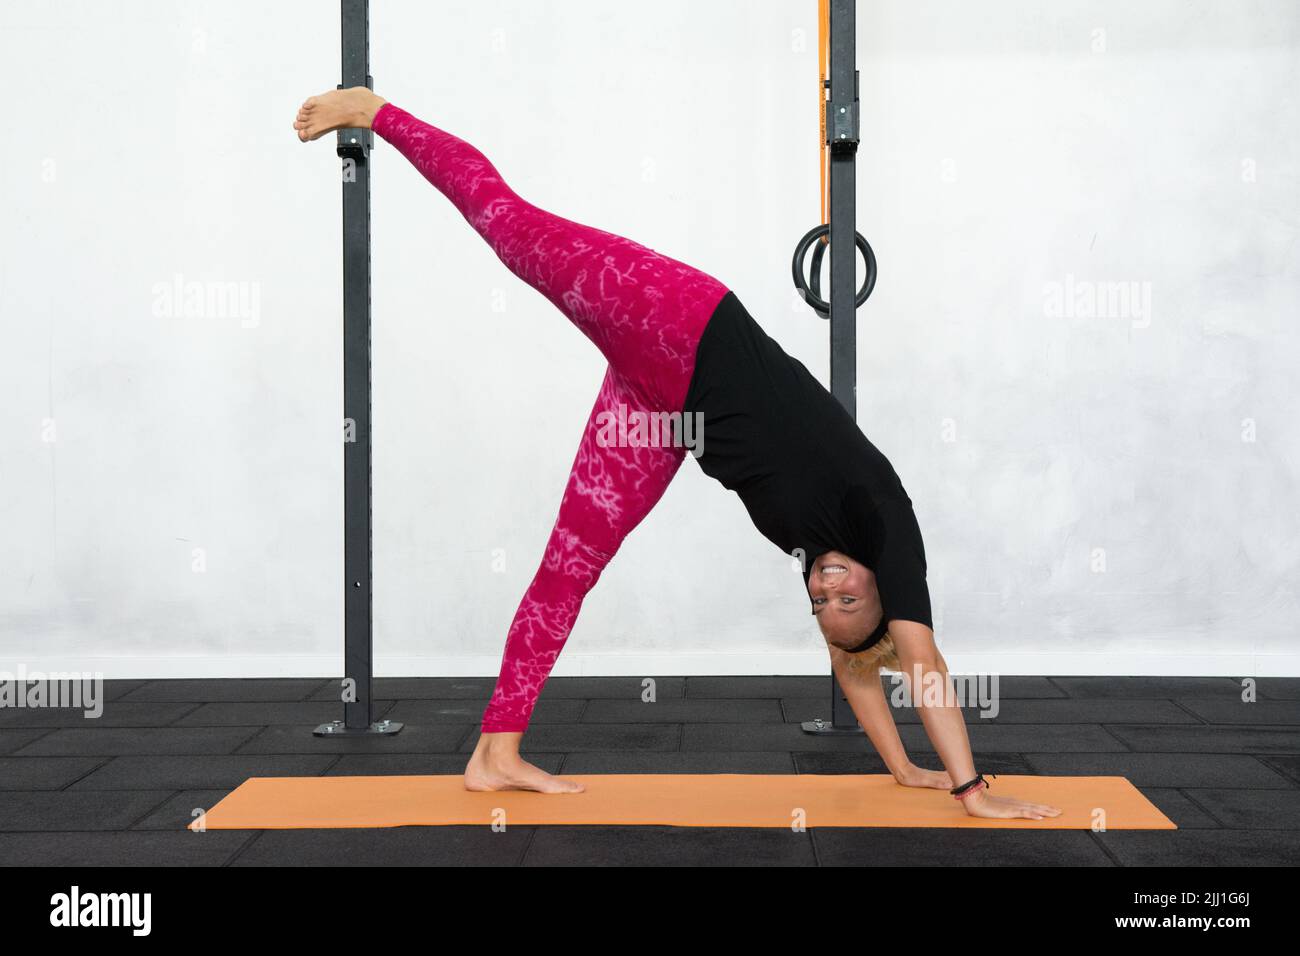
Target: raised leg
643,310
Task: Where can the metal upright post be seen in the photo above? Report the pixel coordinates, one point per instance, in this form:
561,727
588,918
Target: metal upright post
353,146
842,133
840,233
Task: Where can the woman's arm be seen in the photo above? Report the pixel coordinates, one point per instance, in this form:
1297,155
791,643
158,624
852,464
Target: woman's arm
921,661
867,698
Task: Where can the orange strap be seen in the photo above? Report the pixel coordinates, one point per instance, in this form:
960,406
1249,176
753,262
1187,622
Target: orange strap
823,50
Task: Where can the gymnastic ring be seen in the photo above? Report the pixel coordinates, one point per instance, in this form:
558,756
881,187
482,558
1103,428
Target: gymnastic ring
810,289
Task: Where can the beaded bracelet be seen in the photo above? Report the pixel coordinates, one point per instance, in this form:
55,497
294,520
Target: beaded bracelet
969,787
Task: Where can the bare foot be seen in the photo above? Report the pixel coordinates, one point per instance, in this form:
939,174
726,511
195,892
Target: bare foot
353,108
496,765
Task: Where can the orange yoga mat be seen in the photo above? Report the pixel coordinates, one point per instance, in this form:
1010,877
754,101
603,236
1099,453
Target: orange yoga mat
681,800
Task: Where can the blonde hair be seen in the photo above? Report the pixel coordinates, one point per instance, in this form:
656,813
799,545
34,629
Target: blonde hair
881,654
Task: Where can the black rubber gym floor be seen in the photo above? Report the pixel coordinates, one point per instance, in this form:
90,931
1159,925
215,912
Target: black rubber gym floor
120,789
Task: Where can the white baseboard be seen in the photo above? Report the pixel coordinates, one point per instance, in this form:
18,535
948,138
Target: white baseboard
1108,663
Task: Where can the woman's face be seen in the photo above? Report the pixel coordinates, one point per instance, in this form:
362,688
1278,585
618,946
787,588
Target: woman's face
844,599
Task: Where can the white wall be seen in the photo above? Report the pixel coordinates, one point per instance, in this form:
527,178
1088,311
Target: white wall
1010,148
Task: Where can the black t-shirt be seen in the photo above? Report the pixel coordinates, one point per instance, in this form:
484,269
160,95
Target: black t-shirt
809,478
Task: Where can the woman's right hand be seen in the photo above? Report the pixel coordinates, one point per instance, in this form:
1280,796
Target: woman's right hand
984,804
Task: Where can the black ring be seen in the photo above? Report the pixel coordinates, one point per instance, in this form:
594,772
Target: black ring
811,290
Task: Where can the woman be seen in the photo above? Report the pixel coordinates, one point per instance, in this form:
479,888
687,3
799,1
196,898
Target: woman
678,342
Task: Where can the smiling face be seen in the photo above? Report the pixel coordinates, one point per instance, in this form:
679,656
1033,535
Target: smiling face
844,599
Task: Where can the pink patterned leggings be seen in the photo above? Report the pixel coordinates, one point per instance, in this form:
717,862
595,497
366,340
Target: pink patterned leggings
645,312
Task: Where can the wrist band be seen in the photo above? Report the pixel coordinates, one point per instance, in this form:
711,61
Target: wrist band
969,787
